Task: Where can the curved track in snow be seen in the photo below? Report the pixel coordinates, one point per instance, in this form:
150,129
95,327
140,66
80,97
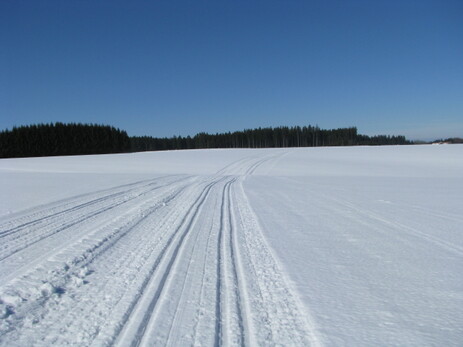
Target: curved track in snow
177,260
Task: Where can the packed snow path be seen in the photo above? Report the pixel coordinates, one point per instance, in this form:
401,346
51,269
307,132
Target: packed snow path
176,261
347,246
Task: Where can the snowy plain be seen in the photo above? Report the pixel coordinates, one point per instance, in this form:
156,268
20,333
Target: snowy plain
354,246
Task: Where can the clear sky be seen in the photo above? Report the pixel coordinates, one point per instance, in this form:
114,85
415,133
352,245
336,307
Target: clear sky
165,68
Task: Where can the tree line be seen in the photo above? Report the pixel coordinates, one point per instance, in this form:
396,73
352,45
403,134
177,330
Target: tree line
76,139
307,136
62,139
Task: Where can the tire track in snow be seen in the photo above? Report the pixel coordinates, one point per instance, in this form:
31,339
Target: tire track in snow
203,291
200,268
227,295
182,306
63,209
125,194
218,301
134,328
150,316
218,297
254,167
237,292
273,157
30,260
124,258
236,165
62,274
184,289
185,297
277,315
50,230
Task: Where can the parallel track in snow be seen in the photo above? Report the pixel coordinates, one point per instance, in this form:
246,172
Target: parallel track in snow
69,205
166,262
24,250
74,213
173,261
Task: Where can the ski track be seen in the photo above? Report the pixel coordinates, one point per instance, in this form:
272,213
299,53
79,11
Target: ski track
21,251
177,260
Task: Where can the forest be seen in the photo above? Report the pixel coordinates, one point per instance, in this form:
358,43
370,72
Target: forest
307,136
62,139
76,139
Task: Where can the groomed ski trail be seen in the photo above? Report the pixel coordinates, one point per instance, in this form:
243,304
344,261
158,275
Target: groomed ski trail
177,260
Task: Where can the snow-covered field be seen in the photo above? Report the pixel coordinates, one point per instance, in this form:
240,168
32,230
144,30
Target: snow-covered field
355,246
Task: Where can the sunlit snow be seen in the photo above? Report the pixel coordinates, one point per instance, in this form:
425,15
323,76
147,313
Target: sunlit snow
356,246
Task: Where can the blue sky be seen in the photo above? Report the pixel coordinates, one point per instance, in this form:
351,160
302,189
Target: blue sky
165,68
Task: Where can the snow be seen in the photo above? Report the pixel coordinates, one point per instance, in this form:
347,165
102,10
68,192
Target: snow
305,246
49,179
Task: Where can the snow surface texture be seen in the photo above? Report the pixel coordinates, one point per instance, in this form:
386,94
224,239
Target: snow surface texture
355,246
